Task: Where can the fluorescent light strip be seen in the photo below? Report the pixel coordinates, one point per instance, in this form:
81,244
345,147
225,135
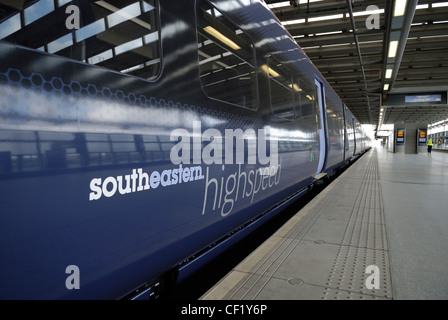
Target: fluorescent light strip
327,33
366,13
393,46
332,17
295,87
336,45
386,87
440,4
400,7
269,71
297,21
438,36
373,41
422,6
388,73
308,48
218,35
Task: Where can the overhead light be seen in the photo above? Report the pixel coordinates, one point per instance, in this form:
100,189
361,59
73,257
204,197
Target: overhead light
422,6
327,33
393,46
366,13
400,6
386,87
322,18
440,4
218,35
295,87
296,21
388,73
269,71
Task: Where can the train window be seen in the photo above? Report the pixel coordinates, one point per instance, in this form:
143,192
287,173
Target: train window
226,59
114,34
304,98
282,88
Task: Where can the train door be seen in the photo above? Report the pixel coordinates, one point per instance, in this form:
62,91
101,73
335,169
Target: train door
320,97
354,135
346,147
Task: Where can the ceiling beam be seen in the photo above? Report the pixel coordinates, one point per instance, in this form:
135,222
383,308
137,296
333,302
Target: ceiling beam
352,20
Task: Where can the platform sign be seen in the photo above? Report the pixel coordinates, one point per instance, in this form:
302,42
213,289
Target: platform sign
400,137
424,98
421,137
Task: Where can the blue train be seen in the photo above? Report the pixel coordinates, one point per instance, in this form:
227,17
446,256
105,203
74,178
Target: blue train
141,139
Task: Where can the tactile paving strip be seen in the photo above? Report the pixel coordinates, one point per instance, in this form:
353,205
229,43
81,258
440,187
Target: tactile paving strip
324,251
364,244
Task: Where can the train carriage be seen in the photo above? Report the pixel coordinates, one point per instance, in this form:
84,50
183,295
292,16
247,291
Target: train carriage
140,139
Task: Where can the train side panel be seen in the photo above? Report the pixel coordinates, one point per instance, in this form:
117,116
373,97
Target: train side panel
120,141
349,123
335,131
87,175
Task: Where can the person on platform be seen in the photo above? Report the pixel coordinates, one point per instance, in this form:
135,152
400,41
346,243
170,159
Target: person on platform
429,145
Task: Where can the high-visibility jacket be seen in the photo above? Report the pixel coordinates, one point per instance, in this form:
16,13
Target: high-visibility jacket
429,142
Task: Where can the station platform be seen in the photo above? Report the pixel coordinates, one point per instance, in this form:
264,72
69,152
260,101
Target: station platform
378,231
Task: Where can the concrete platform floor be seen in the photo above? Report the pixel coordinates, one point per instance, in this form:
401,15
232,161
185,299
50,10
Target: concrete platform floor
379,231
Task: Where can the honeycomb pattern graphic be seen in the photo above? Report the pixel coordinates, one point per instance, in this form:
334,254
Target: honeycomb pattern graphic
57,88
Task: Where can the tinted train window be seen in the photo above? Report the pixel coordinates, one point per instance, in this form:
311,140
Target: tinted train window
305,106
226,59
114,34
282,88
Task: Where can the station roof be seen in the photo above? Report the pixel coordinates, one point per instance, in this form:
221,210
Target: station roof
349,41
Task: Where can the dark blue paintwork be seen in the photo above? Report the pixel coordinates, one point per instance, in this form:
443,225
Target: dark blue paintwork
64,123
